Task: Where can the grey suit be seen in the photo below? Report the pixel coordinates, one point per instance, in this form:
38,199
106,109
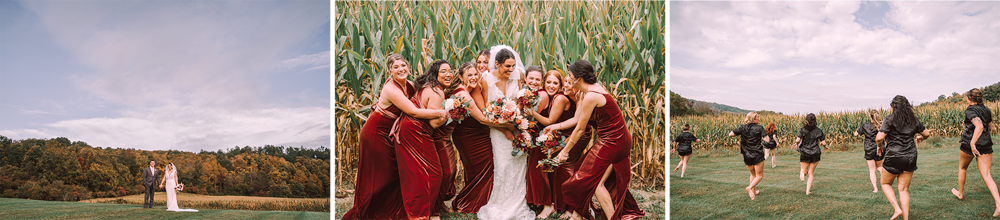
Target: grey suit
149,181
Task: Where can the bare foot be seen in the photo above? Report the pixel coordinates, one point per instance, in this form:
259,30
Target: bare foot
675,169
996,213
956,193
565,215
802,177
750,191
772,165
896,215
545,212
807,193
875,191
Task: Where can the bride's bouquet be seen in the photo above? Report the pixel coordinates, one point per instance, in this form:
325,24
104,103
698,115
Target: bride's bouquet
180,187
550,142
505,110
502,110
457,107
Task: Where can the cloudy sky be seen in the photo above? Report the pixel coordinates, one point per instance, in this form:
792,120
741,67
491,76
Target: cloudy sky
799,57
157,75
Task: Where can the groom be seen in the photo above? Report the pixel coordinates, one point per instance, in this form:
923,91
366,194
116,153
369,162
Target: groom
149,176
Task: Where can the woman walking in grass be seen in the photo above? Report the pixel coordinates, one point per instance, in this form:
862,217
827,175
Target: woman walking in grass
977,133
750,146
874,158
682,145
770,143
807,141
898,130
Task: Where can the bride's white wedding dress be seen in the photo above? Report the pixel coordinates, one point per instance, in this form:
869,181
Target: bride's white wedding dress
507,199
172,194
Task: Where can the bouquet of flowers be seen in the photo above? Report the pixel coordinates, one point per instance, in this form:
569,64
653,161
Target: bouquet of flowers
550,143
502,110
457,107
527,98
180,187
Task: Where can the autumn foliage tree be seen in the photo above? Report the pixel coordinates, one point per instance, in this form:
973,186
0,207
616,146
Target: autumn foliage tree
58,169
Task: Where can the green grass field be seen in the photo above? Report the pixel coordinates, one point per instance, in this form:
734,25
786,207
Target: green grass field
35,209
713,188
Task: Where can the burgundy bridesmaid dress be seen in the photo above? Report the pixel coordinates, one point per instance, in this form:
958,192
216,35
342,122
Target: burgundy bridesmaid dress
472,140
565,171
420,171
539,183
446,151
377,192
613,149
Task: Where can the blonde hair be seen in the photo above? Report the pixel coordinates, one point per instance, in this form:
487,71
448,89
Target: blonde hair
876,119
751,117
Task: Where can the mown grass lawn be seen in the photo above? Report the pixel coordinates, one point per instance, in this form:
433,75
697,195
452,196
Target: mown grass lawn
713,188
35,209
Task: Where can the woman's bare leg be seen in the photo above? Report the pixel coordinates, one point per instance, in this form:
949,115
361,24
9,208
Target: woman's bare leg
767,152
871,175
887,179
604,197
802,170
985,161
774,157
963,165
757,174
878,166
684,160
811,169
904,192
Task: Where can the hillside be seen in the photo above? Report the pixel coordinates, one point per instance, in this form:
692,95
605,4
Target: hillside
716,107
36,209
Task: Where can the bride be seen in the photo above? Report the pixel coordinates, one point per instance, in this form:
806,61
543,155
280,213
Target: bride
171,179
507,200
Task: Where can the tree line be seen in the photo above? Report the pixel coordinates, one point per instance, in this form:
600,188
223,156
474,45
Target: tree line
62,170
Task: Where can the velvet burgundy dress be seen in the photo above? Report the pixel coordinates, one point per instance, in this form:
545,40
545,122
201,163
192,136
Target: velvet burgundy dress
446,152
377,192
420,171
472,140
539,182
613,149
566,170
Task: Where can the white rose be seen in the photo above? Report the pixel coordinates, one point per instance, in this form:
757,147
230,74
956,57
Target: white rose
449,104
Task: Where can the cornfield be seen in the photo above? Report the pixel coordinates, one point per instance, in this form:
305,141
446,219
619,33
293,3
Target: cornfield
713,130
187,200
623,40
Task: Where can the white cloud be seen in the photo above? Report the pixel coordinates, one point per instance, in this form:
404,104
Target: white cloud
313,61
818,51
193,129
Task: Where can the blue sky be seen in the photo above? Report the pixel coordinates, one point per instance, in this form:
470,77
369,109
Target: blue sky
158,75
801,57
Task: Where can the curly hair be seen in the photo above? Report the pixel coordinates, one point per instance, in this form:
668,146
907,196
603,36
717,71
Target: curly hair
975,95
902,112
771,128
430,78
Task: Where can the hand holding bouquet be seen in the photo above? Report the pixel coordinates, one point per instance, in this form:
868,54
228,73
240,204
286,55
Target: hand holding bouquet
457,107
180,187
550,142
502,110
527,98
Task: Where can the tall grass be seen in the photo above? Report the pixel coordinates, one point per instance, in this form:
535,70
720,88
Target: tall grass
623,39
839,127
251,203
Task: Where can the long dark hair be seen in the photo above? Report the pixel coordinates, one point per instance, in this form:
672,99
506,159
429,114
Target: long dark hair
902,112
583,70
456,77
810,122
430,78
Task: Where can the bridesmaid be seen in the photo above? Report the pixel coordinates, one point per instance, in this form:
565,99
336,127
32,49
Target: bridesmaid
420,166
540,183
751,135
682,145
771,142
610,155
483,63
874,158
977,133
566,170
450,83
810,137
898,130
377,188
472,139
